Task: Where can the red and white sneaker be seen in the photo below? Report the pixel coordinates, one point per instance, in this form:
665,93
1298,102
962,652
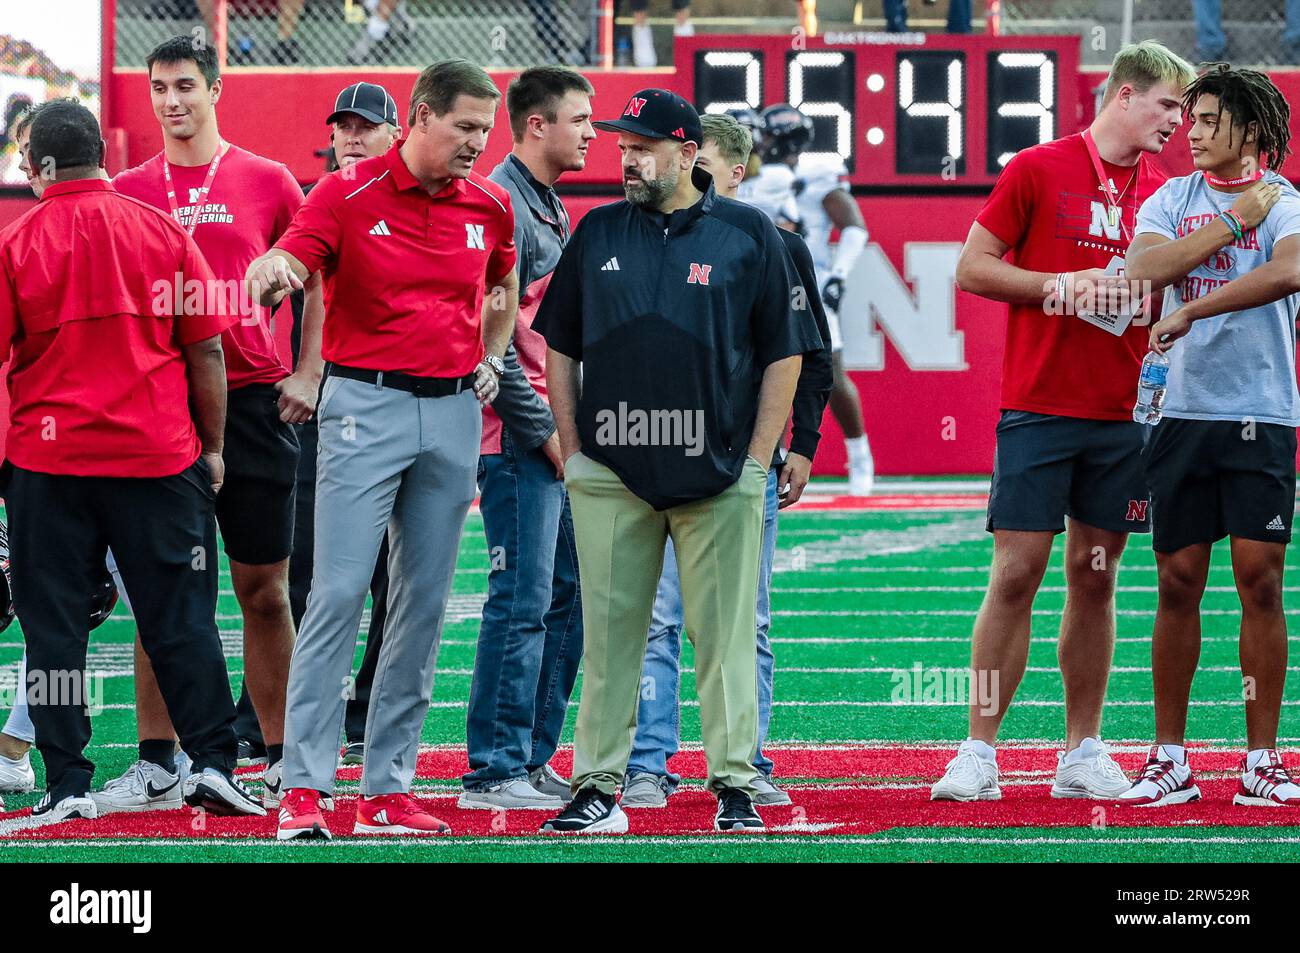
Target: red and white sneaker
301,817
395,814
1267,784
1163,782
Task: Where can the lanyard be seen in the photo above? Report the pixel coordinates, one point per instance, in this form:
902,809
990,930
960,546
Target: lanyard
203,192
1227,183
1107,186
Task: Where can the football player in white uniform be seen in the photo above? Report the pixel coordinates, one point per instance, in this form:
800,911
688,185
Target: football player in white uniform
813,188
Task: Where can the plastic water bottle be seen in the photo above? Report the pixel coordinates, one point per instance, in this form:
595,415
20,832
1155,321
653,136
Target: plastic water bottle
1151,389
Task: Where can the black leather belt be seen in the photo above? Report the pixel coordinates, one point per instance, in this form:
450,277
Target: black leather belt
419,386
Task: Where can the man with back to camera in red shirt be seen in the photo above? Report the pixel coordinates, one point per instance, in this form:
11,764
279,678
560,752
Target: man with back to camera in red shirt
419,318
117,412
235,205
1067,444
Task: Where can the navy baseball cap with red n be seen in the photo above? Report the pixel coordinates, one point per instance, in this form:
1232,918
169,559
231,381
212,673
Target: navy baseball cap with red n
657,114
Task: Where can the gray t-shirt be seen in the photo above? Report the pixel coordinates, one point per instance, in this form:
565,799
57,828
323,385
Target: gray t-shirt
1242,364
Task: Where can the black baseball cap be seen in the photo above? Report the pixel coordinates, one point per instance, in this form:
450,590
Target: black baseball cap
369,101
657,114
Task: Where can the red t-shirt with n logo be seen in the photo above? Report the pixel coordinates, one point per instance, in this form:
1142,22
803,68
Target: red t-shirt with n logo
1050,208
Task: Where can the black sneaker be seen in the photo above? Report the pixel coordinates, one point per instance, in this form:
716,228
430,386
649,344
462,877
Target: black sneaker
250,752
220,794
591,812
736,812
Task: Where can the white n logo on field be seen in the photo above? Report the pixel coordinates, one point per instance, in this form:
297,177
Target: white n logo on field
474,236
1105,220
381,228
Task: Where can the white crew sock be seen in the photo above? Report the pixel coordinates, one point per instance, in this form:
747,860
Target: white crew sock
377,28
983,750
1087,748
1254,757
1175,753
859,449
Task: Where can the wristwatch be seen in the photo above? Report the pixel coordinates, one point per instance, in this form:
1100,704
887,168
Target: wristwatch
494,362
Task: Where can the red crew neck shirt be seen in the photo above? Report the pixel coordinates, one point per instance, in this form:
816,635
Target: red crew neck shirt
407,270
97,381
1049,206
250,204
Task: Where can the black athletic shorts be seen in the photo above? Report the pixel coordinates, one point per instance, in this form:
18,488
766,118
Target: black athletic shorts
1047,468
1215,478
256,504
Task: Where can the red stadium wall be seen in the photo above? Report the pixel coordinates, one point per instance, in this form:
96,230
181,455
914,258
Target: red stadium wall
926,357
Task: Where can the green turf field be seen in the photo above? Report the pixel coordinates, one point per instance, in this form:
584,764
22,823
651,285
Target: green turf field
859,595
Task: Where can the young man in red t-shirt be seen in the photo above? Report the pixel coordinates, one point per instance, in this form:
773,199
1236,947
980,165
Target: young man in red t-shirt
235,205
117,410
1050,241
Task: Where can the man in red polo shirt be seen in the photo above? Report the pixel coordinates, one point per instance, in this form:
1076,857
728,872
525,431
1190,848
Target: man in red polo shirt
410,239
235,205
117,407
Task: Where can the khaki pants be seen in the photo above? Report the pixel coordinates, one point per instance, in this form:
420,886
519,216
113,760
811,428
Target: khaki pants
620,541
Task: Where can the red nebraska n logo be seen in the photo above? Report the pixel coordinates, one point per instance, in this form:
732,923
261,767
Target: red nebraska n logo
634,106
1137,510
699,274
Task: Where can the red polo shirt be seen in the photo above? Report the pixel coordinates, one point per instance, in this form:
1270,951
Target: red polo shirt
97,382
408,269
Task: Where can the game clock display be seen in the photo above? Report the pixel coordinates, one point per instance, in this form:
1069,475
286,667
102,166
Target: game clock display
899,109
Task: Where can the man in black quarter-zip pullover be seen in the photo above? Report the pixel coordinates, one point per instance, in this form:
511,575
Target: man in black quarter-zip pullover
678,305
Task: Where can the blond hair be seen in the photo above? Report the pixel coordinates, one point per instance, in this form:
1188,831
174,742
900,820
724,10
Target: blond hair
734,141
1143,65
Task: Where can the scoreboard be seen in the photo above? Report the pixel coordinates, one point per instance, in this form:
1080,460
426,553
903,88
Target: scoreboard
907,109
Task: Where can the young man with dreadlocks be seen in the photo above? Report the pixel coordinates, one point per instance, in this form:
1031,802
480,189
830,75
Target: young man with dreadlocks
1225,244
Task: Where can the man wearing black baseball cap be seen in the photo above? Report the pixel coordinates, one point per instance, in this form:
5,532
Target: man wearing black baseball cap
364,123
678,305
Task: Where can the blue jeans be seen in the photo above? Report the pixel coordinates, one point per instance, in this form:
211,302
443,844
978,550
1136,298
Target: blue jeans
1209,26
659,712
958,16
530,640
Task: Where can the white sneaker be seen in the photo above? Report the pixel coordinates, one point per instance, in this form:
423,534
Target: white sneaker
516,794
144,787
1089,772
767,794
68,809
1163,782
968,777
1267,784
16,775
